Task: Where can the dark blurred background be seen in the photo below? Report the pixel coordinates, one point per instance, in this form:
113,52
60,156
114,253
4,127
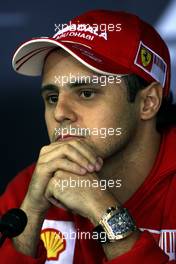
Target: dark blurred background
23,130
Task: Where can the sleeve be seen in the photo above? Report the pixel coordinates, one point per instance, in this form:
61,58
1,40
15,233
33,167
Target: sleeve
144,251
12,198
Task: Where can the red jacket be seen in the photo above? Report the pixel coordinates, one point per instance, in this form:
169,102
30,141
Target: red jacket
153,206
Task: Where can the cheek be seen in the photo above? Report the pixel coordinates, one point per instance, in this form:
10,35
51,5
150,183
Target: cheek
99,122
102,118
50,124
109,141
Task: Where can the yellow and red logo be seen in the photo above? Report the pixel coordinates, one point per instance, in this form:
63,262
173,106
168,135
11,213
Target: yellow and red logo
54,243
146,57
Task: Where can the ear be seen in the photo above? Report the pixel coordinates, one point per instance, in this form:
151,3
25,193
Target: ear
150,100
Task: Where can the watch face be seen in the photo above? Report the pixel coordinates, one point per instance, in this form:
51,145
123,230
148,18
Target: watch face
121,223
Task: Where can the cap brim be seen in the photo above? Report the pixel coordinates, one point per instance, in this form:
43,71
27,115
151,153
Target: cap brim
29,57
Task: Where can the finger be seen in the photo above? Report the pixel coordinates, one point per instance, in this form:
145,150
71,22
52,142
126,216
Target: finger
48,148
69,152
49,192
88,152
66,165
55,188
56,203
85,150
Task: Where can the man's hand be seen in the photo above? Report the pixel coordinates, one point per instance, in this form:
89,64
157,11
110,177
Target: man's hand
73,156
82,194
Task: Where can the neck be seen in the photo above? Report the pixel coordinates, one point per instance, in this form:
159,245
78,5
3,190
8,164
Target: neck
133,164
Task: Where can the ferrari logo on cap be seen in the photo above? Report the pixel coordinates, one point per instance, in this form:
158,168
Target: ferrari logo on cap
54,242
146,56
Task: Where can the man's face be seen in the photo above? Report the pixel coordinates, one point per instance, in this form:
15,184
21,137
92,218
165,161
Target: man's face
86,105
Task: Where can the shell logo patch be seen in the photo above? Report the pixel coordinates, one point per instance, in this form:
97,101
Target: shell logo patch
146,56
54,242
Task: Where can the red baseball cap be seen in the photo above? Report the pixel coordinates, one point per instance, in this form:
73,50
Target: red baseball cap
107,42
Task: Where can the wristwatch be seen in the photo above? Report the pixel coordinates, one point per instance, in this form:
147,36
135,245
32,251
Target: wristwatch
115,224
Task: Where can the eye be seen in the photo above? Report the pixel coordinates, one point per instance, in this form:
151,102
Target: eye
87,94
52,99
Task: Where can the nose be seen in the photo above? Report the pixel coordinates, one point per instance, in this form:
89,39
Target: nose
64,110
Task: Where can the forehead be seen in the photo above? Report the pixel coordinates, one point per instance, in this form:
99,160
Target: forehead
60,67
61,62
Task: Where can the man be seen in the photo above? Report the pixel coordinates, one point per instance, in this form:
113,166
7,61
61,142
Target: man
62,193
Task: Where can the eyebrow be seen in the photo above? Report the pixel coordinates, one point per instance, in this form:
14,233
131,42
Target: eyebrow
49,88
76,84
